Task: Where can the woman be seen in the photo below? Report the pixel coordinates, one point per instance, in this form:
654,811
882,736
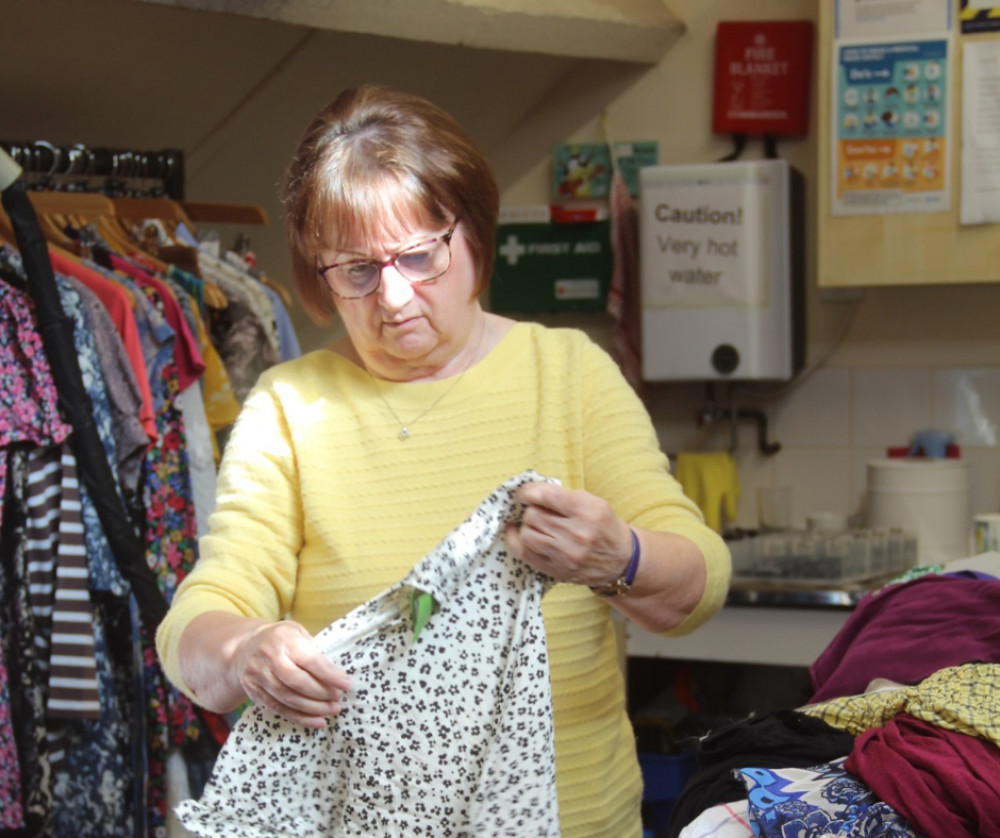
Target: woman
348,465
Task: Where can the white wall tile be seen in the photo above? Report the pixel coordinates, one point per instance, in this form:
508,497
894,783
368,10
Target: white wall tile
820,480
831,426
984,478
816,413
673,408
755,470
967,403
860,458
890,405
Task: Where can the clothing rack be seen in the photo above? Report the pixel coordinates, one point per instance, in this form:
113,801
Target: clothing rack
57,333
138,735
143,184
114,171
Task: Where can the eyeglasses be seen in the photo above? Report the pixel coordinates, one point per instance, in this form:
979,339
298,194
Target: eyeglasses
420,262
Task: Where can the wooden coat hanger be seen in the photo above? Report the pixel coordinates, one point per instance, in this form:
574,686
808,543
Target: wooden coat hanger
90,205
54,231
214,296
222,213
110,229
56,209
6,231
110,216
132,211
139,209
170,213
216,212
279,289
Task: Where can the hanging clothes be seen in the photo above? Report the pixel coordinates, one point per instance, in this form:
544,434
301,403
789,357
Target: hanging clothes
29,415
75,402
65,748
118,305
114,395
125,399
623,303
245,331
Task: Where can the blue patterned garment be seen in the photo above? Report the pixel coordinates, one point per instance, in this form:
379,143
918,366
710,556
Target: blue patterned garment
104,572
820,801
94,786
91,792
155,334
97,753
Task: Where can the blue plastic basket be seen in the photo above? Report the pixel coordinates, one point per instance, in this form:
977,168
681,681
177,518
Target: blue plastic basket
663,779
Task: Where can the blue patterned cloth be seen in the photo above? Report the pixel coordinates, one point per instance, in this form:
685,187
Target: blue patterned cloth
103,569
820,801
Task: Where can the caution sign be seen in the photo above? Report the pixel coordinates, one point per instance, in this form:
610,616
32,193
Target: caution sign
706,235
979,16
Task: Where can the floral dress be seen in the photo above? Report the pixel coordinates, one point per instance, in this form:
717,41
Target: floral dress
447,729
29,416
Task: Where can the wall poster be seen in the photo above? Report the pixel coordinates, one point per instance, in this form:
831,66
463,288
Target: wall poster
980,176
870,19
979,16
890,127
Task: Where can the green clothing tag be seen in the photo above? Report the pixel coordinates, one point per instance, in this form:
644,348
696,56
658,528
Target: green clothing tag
421,606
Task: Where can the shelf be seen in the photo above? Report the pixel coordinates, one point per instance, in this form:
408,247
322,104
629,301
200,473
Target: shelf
633,31
777,636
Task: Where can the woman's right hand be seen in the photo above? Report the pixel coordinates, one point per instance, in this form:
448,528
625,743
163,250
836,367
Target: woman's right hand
279,667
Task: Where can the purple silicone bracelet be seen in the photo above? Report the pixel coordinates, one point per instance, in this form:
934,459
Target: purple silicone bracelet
633,562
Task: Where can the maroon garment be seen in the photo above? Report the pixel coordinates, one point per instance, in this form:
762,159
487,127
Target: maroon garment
623,295
946,784
909,631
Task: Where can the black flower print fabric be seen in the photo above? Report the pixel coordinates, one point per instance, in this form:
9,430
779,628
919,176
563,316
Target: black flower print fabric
447,730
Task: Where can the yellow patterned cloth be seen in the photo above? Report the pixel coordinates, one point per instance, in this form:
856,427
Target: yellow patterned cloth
965,699
221,407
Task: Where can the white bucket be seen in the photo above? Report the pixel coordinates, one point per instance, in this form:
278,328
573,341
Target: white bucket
928,497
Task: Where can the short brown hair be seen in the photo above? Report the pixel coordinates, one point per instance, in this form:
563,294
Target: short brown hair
369,147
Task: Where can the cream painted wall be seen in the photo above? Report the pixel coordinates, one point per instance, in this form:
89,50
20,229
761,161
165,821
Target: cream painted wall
903,359
235,93
671,103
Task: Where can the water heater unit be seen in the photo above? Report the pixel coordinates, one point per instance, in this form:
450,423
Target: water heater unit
722,271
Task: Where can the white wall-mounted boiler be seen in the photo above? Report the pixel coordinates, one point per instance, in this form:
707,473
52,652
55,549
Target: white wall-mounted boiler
722,271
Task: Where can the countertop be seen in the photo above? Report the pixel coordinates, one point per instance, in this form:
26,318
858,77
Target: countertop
743,592
769,623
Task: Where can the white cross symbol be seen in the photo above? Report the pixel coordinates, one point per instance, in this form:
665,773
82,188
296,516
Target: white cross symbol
512,249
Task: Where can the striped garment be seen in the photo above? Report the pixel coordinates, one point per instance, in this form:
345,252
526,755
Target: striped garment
57,577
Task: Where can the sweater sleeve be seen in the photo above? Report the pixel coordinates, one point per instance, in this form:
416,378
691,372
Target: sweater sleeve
625,466
248,560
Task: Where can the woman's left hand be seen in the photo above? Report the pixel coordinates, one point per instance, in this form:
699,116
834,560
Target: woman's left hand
573,536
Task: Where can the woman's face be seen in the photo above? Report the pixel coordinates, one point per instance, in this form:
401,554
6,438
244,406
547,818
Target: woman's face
406,331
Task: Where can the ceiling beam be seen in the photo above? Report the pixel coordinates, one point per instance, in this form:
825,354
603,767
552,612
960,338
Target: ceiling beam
636,31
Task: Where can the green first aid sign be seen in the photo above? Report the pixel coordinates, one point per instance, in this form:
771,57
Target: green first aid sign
546,267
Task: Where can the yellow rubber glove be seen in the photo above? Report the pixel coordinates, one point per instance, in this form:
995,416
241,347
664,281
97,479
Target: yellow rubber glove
712,481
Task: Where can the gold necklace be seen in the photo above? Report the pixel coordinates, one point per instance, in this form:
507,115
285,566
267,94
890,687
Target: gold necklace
404,427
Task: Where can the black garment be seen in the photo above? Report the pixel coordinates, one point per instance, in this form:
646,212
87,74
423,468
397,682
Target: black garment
783,739
56,330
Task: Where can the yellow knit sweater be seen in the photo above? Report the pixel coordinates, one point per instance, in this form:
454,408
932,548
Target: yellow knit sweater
321,507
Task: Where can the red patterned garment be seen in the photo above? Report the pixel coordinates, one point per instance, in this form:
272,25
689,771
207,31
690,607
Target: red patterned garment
28,413
623,295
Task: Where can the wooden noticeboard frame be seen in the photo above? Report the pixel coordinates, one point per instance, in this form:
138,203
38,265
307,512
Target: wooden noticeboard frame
902,249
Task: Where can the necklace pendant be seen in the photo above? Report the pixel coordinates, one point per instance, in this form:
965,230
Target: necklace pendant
404,434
